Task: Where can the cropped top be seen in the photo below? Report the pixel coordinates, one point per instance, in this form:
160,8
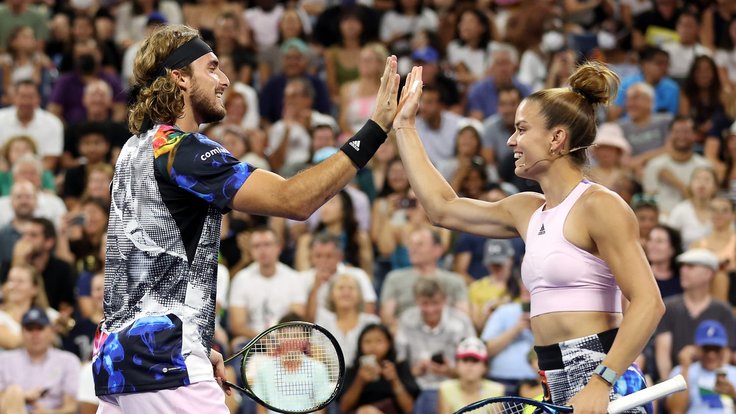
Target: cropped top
560,276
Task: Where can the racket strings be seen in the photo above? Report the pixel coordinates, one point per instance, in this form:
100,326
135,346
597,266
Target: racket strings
295,368
506,407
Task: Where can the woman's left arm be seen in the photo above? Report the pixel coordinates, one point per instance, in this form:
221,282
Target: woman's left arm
614,230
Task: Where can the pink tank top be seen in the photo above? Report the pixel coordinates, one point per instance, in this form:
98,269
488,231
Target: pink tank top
560,276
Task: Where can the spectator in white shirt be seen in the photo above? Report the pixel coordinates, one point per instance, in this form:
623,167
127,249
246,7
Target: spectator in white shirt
683,52
25,117
264,291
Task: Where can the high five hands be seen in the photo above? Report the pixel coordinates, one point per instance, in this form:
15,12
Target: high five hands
390,111
409,101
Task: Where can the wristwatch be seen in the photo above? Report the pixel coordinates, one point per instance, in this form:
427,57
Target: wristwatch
607,374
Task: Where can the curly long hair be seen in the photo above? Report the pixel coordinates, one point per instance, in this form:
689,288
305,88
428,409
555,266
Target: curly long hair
158,97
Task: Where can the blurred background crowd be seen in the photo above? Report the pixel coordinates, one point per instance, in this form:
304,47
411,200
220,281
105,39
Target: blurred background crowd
428,320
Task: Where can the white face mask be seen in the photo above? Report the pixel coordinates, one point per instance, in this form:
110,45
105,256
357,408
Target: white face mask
606,40
552,42
82,4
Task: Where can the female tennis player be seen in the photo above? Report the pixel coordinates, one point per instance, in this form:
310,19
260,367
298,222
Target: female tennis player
582,240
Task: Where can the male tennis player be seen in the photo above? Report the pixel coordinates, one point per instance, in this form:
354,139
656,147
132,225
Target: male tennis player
170,189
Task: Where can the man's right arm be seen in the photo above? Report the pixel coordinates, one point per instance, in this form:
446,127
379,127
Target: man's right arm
266,193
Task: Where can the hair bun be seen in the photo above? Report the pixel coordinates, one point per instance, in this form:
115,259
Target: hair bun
595,82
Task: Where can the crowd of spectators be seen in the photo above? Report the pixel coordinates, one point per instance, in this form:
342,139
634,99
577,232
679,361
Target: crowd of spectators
428,319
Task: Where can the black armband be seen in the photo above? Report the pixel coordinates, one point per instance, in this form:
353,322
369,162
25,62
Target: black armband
361,147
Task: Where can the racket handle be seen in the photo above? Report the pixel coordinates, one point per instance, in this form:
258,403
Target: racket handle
646,395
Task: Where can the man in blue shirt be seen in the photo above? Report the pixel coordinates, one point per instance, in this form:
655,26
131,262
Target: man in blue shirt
653,70
483,95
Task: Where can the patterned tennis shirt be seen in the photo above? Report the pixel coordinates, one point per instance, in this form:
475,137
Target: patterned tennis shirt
169,192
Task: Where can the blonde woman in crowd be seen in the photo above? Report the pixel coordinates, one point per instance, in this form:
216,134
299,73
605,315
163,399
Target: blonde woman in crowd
345,316
691,216
15,148
23,290
358,97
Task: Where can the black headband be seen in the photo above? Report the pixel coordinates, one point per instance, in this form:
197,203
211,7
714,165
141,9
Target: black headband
184,55
179,58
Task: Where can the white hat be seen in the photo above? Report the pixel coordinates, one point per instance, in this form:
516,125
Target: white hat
612,135
701,257
472,347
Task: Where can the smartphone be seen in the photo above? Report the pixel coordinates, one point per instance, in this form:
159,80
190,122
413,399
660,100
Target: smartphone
407,202
368,360
78,220
525,307
438,358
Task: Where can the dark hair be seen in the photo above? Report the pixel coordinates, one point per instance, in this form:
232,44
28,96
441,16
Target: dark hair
263,228
485,37
97,202
326,238
11,37
89,128
399,8
49,231
703,109
650,53
390,355
592,84
25,82
306,84
677,119
349,229
675,242
510,88
354,13
475,134
137,8
475,166
386,190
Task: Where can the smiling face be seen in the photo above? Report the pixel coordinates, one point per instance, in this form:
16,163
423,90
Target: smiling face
530,141
208,84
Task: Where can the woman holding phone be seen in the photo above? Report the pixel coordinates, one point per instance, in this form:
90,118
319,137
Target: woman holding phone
582,244
377,383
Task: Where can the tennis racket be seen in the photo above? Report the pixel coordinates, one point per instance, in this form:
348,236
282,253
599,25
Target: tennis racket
293,367
518,405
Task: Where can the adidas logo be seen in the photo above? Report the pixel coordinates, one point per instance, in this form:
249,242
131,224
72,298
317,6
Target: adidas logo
541,230
355,144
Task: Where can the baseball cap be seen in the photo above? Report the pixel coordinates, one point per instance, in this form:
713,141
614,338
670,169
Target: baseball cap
156,18
35,317
426,54
711,333
701,257
497,251
471,347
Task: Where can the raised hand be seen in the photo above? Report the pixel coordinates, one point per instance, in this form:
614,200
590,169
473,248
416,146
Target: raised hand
387,98
409,102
